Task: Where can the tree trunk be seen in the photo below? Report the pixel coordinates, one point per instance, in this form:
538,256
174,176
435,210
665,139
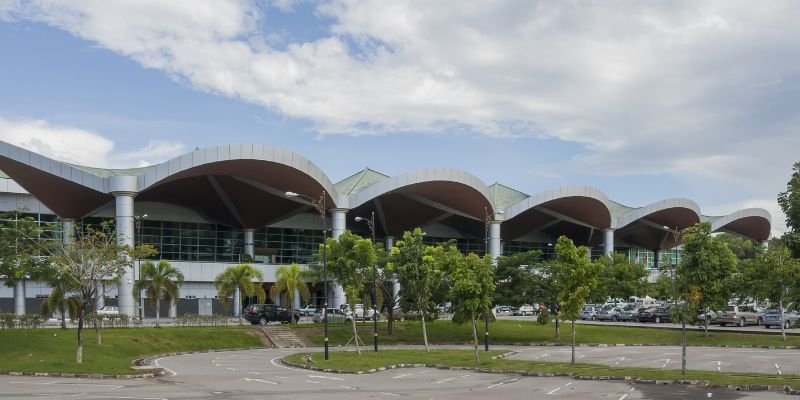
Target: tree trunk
158,311
558,329
475,340
97,318
705,325
783,325
62,307
425,333
240,307
683,347
573,342
355,331
390,321
79,351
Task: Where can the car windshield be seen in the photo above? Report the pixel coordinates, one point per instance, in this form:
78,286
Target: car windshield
773,311
729,308
588,308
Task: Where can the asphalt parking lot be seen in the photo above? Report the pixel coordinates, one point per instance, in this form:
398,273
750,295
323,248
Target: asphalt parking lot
256,374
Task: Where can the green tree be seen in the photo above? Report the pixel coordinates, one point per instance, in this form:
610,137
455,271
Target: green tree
790,205
703,280
472,290
59,298
576,277
159,281
93,255
23,248
385,285
619,278
242,278
413,262
350,260
514,282
774,275
288,280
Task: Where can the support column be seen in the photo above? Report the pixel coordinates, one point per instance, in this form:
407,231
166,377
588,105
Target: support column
249,243
68,230
494,236
657,261
296,301
608,241
19,297
236,302
395,282
100,291
173,310
339,225
124,189
589,253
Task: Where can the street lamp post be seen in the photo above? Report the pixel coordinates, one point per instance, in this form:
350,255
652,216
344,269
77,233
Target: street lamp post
137,219
371,223
486,250
319,205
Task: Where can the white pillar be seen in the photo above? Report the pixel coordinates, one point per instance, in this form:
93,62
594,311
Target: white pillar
494,236
236,302
608,241
296,301
339,225
124,188
100,291
657,261
19,297
173,310
589,253
395,282
249,242
765,243
68,230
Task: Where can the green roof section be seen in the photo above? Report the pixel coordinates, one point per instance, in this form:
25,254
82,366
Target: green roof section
354,183
503,196
618,209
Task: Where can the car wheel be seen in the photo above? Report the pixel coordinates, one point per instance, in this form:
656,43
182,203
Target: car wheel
614,319
658,320
741,323
636,319
594,318
766,326
787,324
262,321
721,324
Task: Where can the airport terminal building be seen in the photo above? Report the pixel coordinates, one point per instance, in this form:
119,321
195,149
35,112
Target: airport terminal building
218,206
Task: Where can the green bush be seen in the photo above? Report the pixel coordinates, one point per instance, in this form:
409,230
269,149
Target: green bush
544,317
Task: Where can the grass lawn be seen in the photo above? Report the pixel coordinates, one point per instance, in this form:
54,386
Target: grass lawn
53,350
349,361
524,332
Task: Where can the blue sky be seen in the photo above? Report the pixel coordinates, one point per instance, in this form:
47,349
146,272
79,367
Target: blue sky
644,101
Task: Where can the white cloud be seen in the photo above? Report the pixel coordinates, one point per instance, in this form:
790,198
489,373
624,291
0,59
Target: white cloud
82,147
705,91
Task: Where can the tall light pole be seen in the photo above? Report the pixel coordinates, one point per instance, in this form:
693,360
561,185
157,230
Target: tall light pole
371,223
137,221
486,222
319,205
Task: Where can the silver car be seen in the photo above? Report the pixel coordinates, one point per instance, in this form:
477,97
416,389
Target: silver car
772,317
609,314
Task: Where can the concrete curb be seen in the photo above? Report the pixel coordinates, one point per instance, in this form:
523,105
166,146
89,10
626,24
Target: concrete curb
629,379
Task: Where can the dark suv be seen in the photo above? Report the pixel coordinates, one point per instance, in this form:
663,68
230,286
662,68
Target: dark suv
263,313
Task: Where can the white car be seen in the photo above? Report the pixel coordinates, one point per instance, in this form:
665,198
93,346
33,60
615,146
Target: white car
360,313
108,310
526,309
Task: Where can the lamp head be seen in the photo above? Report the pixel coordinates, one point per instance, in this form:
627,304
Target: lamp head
359,219
291,194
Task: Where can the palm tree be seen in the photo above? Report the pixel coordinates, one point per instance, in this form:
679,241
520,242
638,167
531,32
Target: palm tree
158,281
243,278
58,301
290,279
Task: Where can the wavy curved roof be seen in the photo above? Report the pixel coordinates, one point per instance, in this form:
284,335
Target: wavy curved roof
231,184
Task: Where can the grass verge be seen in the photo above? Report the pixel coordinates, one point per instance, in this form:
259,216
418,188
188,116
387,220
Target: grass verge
519,332
53,350
350,362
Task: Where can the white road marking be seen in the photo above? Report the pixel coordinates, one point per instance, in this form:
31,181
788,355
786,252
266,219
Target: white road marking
582,355
125,397
445,380
665,363
66,383
778,368
311,381
171,372
618,361
260,380
231,369
325,377
401,376
554,390
502,383
568,383
632,389
255,373
283,366
719,363
623,396
390,394
347,387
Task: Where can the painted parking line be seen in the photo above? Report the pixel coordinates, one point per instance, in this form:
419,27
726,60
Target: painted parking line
326,377
665,363
778,368
260,381
502,383
554,390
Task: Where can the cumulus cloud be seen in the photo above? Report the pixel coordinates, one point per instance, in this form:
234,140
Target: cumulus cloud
80,146
700,90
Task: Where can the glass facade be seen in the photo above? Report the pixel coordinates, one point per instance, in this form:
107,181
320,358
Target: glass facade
286,245
466,246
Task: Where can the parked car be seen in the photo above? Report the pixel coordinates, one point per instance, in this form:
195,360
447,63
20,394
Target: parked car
502,309
590,312
657,315
609,314
526,309
108,310
360,313
627,313
263,314
334,315
640,311
740,315
772,317
308,310
711,315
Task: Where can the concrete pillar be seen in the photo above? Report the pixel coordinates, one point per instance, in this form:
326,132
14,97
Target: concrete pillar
124,188
173,310
249,242
494,236
100,291
296,301
608,241
657,261
338,226
19,297
236,303
68,230
589,253
395,282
